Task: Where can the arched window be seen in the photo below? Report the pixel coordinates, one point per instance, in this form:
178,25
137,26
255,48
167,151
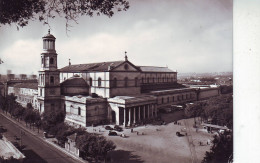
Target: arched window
162,101
52,106
158,80
99,82
79,111
168,99
90,81
142,80
153,80
162,79
147,80
115,83
126,81
136,82
52,80
51,61
172,98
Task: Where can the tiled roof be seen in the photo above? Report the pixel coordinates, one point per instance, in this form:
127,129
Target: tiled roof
26,85
154,69
102,66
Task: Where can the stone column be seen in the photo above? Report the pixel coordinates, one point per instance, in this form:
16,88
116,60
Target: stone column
155,110
152,111
148,112
144,111
129,112
124,117
134,115
139,113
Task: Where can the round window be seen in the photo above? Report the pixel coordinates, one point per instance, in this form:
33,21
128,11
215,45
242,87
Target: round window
126,66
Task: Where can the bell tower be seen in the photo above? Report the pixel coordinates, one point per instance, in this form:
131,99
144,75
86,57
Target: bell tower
49,77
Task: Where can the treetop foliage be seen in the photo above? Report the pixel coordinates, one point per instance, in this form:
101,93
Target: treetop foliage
21,11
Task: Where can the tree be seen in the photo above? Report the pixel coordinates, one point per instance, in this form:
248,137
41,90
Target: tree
93,146
65,131
21,11
222,149
50,120
38,121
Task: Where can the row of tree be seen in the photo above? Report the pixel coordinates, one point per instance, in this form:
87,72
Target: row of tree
217,110
92,147
28,114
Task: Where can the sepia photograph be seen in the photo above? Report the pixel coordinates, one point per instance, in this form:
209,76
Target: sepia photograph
116,81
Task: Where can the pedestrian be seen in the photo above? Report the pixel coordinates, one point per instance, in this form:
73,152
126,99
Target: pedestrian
137,133
200,143
132,130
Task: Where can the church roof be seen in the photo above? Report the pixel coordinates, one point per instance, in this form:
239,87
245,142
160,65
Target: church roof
102,66
154,69
75,81
49,36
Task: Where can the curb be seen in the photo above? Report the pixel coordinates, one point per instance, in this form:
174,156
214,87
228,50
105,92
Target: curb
45,140
24,128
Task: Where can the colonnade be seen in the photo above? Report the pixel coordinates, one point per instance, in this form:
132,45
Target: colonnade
137,114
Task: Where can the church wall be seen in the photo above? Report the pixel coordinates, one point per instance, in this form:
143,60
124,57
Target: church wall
121,89
208,92
72,113
96,113
103,89
158,77
175,98
92,111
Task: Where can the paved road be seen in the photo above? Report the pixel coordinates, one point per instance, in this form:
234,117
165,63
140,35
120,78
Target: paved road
194,158
36,150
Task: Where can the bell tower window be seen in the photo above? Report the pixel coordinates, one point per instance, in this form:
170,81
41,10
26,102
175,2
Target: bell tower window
52,80
51,61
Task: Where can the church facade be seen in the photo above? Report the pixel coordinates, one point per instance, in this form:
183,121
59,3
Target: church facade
118,92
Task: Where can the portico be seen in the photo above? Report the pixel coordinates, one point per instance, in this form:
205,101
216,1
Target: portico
131,110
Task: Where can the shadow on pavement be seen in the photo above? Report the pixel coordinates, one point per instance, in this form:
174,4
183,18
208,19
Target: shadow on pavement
32,157
119,156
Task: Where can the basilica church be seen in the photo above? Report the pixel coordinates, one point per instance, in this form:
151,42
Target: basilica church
117,92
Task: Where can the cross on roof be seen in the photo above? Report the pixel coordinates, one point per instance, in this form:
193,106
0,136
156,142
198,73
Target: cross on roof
125,56
49,31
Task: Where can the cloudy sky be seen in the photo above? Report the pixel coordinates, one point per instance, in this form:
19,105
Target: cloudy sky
185,35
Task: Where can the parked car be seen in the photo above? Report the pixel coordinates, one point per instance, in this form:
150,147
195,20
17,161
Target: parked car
108,128
118,128
112,133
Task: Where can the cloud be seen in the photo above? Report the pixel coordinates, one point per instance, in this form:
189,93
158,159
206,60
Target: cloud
183,35
22,57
